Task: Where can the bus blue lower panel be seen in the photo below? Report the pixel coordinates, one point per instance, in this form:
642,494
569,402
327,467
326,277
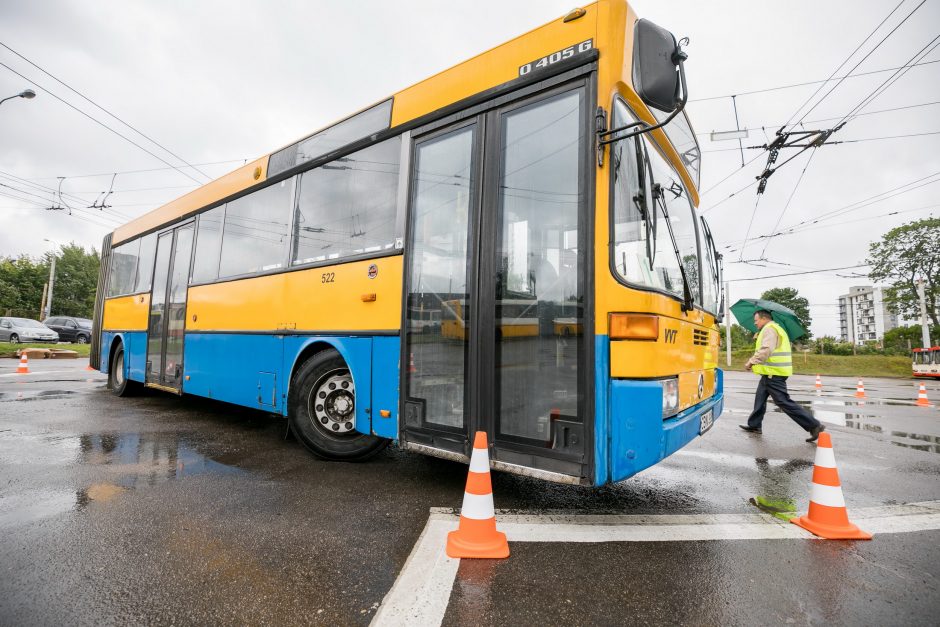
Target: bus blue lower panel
638,436
135,352
254,370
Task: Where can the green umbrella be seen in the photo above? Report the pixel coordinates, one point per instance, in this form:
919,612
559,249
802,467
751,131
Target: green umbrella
744,310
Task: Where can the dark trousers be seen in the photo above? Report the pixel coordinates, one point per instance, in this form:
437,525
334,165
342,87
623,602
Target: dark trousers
776,388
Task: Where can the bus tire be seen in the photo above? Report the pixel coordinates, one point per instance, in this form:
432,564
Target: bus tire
117,382
321,398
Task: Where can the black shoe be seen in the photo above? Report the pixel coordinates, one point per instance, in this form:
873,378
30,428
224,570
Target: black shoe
751,429
814,433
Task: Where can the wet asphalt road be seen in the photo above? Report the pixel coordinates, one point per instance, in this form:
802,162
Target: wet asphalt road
162,510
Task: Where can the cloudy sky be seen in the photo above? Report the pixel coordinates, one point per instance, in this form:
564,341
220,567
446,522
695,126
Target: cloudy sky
220,82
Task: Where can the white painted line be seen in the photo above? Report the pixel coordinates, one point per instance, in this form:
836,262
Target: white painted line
25,374
422,591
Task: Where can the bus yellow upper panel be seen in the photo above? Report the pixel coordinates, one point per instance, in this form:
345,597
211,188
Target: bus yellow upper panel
233,182
327,299
126,313
491,68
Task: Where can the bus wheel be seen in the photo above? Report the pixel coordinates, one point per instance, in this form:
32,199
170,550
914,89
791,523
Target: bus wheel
322,410
119,384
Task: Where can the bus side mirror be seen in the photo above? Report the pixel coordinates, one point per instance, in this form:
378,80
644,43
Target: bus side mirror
657,67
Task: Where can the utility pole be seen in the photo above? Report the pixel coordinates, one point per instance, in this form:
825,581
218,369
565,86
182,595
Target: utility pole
51,284
42,303
924,329
727,325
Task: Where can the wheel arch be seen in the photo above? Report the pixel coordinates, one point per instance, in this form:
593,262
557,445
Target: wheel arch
357,353
116,341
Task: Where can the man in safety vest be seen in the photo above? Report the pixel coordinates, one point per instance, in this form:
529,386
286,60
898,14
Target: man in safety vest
773,361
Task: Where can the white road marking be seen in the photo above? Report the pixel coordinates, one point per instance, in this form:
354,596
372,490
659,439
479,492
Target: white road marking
24,374
422,591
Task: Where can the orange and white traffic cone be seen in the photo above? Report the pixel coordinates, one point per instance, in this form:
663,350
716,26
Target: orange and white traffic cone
23,368
827,517
477,536
860,389
411,364
922,397
818,382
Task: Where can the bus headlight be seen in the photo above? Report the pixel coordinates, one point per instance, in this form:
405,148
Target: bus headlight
670,397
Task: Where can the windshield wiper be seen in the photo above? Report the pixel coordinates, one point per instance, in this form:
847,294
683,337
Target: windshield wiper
687,298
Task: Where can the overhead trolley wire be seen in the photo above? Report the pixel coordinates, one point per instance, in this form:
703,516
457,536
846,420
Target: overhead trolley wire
777,276
86,98
841,65
792,85
100,123
901,71
862,60
764,126
786,206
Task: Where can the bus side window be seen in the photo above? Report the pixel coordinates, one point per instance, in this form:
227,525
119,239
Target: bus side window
348,207
123,268
255,234
148,251
208,245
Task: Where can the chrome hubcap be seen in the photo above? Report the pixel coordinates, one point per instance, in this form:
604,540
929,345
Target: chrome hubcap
119,369
333,403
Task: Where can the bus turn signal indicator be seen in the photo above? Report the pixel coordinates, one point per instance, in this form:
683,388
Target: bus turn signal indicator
634,327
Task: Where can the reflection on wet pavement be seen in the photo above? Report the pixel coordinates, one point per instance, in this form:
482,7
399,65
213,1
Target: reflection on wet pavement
146,459
41,395
130,461
933,442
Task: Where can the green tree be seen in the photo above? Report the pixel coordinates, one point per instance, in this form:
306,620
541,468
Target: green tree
22,280
75,281
790,297
903,255
900,340
741,338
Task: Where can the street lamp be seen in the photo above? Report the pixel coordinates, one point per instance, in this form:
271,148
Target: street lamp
26,93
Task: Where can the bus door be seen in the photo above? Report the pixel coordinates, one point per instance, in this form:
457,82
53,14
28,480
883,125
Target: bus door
497,243
167,325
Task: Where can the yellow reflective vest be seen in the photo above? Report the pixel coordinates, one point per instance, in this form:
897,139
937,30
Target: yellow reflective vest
780,362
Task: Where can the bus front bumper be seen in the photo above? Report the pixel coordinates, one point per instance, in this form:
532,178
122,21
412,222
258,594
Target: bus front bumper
640,437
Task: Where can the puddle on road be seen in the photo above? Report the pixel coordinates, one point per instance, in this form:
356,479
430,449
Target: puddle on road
147,459
127,460
931,443
42,395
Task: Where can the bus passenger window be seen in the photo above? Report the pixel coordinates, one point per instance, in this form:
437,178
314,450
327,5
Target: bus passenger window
256,230
348,207
148,250
208,245
123,268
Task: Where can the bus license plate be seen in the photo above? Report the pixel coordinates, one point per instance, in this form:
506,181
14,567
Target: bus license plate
707,421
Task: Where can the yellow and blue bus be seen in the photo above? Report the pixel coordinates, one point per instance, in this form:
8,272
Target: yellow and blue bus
554,177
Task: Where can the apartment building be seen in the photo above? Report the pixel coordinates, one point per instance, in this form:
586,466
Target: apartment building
864,316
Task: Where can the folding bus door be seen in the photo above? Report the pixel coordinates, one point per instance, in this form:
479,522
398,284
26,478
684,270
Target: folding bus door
166,329
496,249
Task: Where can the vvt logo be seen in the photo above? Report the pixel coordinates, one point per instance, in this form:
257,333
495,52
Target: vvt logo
671,335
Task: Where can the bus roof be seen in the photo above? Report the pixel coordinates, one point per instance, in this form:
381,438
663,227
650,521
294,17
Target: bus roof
483,72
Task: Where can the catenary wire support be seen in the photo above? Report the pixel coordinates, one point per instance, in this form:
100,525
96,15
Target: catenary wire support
790,139
101,202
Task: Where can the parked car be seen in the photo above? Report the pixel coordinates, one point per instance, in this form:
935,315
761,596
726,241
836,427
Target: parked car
16,330
70,329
